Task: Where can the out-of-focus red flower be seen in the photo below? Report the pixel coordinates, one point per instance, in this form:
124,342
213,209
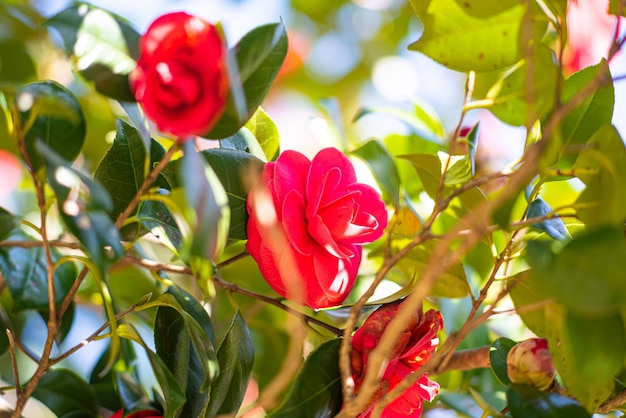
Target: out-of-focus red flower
413,349
529,363
308,221
589,34
181,79
148,413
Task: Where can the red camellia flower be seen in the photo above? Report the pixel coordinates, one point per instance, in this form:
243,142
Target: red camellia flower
180,78
413,349
308,220
148,413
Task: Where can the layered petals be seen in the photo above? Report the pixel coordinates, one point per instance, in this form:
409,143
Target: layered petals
413,349
308,220
181,78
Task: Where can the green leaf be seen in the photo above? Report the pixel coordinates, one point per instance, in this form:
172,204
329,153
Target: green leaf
594,112
266,133
526,402
478,35
526,290
497,358
173,395
105,47
83,204
16,64
236,170
8,222
5,324
260,54
513,102
208,212
236,358
130,392
428,169
463,169
245,141
67,394
26,273
176,339
316,391
588,375
554,227
156,218
583,276
48,112
124,168
604,198
383,167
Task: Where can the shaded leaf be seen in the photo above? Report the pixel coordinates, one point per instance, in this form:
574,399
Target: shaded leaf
260,54
185,347
84,205
554,227
26,273
174,396
497,358
47,112
8,222
316,391
594,112
236,358
156,218
383,168
208,212
525,402
67,394
244,140
105,47
428,169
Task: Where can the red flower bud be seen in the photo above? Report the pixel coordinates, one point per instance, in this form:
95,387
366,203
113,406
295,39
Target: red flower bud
529,363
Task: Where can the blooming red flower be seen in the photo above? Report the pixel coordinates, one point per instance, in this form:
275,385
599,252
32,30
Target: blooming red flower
413,349
308,220
180,78
148,413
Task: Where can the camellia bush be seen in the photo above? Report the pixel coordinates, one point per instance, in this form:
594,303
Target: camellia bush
393,277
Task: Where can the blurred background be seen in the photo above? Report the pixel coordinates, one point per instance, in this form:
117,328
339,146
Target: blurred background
345,56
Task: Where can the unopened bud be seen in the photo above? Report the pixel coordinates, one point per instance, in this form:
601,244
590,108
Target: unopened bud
529,363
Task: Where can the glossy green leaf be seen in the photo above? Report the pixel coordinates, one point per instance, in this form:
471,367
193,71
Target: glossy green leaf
383,167
173,395
244,140
236,357
105,47
48,112
479,35
266,133
497,358
5,324
513,102
174,344
236,170
8,222
604,198
316,391
527,402
84,205
579,349
130,392
428,169
156,218
260,54
26,274
67,394
125,166
594,112
583,275
554,227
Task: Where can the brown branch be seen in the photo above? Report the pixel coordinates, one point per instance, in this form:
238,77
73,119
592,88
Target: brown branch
474,358
16,372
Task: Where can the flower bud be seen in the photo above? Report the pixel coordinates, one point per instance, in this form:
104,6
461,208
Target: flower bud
529,363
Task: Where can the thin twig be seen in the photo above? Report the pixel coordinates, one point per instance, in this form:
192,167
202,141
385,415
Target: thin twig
12,353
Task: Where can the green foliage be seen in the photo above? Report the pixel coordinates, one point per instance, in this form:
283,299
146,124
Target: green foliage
67,394
316,391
